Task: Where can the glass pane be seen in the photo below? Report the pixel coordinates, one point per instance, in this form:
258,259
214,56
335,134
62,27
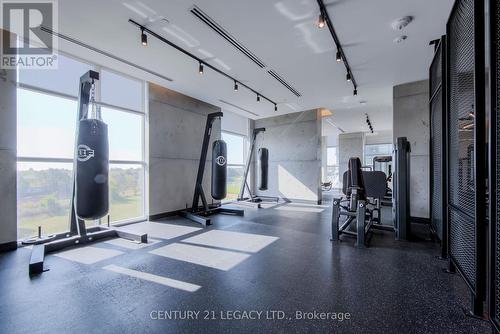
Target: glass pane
45,125
372,151
43,197
126,192
235,148
331,156
65,79
125,134
121,91
234,180
379,149
333,176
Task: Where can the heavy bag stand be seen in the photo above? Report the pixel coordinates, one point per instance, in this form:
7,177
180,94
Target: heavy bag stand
253,200
78,234
196,213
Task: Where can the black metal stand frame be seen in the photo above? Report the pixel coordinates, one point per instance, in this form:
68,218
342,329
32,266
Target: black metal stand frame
401,189
253,200
440,89
201,214
78,233
477,286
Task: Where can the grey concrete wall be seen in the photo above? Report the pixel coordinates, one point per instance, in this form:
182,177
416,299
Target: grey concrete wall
411,120
8,154
176,128
351,145
294,143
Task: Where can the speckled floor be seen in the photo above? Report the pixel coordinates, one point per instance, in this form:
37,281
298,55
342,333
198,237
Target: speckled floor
391,287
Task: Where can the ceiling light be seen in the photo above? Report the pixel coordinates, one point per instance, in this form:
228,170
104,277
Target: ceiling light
200,68
339,56
321,21
348,77
235,86
275,107
144,38
402,23
258,98
355,92
400,39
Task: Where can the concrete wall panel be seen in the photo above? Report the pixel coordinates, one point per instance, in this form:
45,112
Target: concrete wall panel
294,143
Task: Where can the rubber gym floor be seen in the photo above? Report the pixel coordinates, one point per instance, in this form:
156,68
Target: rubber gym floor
278,261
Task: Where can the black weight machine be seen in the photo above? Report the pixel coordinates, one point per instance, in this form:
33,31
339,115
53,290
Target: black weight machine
364,192
201,214
253,200
79,234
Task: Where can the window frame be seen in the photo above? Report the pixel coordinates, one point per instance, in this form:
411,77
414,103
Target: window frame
371,155
337,184
144,134
245,155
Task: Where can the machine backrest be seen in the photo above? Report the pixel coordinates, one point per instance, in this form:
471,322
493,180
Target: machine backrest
375,184
353,178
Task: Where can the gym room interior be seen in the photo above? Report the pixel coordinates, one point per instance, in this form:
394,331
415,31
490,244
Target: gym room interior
264,166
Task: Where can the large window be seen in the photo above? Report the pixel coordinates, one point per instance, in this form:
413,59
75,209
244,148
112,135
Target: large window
332,170
375,150
236,155
47,107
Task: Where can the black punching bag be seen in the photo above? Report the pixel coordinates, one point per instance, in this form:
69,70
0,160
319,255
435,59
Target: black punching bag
219,169
92,190
263,167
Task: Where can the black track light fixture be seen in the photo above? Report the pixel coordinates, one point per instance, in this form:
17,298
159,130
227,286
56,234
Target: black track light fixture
355,93
321,21
146,32
340,55
144,37
275,107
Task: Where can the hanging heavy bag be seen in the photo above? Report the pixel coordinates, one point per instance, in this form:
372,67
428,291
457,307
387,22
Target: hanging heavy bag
219,169
92,167
263,168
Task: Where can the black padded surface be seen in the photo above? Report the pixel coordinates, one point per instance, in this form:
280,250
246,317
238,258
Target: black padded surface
375,184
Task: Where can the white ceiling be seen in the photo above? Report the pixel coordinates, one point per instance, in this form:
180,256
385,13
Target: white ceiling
281,33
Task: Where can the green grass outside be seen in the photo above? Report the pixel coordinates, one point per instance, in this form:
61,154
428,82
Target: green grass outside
28,226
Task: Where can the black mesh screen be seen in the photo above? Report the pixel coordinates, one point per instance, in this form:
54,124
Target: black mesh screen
436,74
461,139
437,163
496,103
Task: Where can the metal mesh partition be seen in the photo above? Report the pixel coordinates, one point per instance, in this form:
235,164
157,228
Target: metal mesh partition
437,164
494,166
436,72
466,196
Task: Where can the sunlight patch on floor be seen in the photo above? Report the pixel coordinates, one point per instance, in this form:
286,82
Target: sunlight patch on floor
154,278
208,257
245,242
